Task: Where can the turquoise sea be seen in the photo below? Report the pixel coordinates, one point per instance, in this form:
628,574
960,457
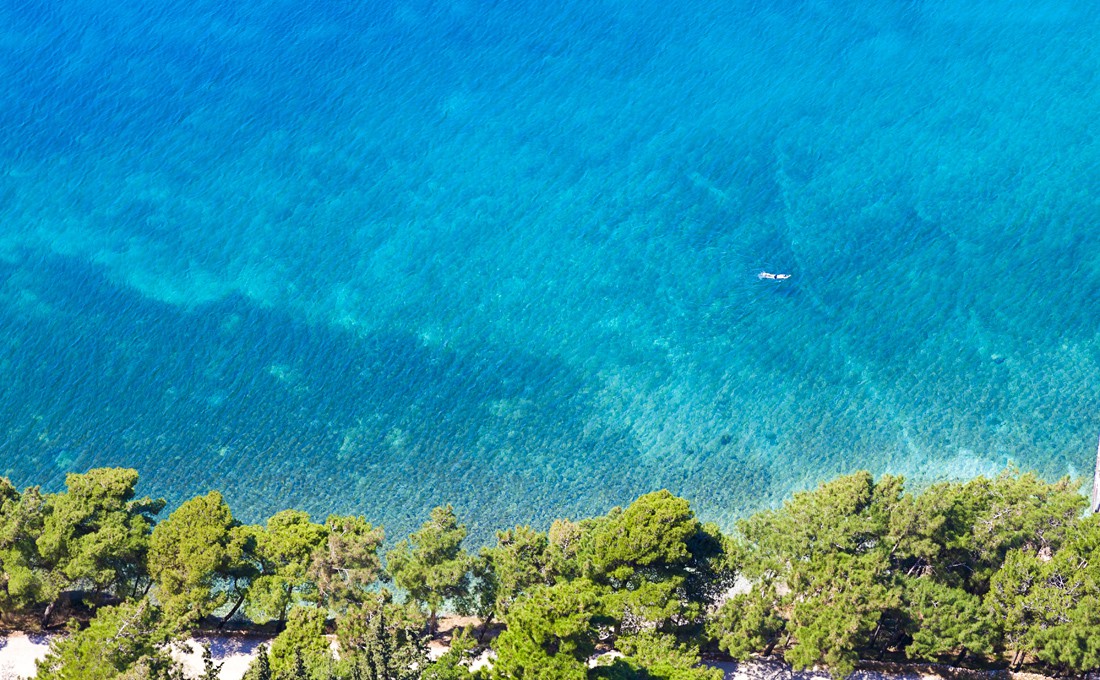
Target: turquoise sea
372,257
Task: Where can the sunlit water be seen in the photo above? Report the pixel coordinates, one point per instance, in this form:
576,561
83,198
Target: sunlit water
377,256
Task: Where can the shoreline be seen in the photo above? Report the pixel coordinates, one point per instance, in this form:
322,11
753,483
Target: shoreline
20,650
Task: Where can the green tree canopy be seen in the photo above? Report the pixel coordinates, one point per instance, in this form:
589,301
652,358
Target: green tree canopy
346,564
452,665
649,537
856,568
260,668
382,640
520,560
302,642
661,565
863,564
1049,605
431,565
551,632
947,620
749,622
990,517
285,550
565,540
826,549
650,655
96,533
949,541
26,580
192,556
123,641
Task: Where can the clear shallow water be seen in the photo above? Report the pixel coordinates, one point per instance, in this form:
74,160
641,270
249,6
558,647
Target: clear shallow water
505,256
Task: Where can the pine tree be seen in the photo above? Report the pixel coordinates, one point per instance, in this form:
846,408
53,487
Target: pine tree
260,668
299,672
210,670
431,564
551,632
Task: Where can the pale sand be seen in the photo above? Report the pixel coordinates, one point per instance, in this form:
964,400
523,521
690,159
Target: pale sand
232,652
19,652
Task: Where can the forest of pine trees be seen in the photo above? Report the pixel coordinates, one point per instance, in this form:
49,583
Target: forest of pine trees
988,572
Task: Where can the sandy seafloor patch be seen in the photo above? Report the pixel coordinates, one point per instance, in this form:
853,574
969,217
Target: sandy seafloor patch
19,652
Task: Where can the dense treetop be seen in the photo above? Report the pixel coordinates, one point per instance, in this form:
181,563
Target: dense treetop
1002,570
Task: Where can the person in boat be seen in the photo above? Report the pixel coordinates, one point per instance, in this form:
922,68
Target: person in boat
773,277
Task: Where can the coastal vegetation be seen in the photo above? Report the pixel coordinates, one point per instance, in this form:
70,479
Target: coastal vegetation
993,571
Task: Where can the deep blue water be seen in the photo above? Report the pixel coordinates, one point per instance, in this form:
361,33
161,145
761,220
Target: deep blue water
377,256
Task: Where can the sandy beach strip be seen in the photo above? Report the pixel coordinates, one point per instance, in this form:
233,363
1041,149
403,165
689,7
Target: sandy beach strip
20,651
